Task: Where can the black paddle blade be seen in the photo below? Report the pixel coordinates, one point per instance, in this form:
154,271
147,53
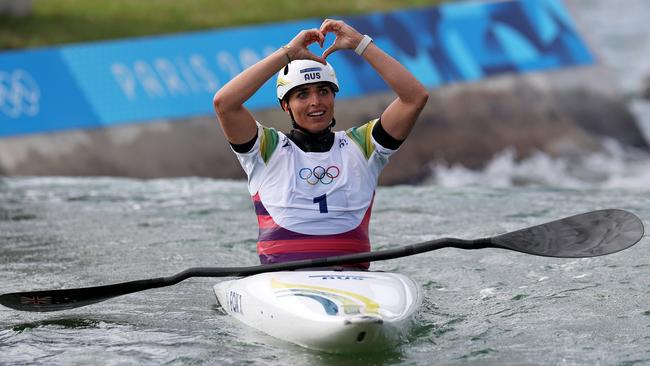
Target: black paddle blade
586,235
64,299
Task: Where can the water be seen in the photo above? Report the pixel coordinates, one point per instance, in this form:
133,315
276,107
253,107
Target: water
614,167
480,307
487,307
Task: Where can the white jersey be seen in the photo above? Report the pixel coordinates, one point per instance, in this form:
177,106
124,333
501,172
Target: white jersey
315,193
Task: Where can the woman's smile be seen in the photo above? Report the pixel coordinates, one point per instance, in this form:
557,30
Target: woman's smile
312,106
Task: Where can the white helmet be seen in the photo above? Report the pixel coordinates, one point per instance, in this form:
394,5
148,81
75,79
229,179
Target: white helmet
300,72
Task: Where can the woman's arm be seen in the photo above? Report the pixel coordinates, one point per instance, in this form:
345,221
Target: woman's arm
237,122
400,116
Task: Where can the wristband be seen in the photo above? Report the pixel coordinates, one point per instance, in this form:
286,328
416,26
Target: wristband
363,44
286,48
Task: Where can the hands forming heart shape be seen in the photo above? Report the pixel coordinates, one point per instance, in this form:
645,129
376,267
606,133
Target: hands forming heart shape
346,38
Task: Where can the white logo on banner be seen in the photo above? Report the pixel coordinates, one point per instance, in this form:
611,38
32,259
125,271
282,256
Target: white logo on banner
164,77
19,94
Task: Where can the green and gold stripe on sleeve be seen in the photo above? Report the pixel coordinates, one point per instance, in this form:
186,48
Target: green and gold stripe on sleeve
362,136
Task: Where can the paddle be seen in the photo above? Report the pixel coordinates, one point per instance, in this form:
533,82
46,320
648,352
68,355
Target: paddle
585,235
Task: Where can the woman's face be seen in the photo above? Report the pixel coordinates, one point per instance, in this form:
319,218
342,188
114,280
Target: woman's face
312,106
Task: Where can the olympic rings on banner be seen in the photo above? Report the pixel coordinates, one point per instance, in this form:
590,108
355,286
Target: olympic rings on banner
319,174
19,94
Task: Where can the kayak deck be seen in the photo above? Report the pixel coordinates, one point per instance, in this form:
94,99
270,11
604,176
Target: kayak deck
334,311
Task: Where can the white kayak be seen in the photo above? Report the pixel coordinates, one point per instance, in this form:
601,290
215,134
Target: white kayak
333,311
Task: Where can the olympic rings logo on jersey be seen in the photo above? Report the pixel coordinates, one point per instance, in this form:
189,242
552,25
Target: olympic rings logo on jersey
19,94
319,174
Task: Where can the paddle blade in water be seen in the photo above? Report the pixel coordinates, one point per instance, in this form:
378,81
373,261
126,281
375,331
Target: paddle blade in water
64,299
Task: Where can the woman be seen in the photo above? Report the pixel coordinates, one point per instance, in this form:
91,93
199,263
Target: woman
313,188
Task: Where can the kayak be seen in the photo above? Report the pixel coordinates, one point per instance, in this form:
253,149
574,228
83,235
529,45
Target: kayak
332,311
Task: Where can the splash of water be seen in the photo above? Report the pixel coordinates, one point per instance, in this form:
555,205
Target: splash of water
613,167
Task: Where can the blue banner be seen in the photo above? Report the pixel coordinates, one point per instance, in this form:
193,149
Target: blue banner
108,83
38,94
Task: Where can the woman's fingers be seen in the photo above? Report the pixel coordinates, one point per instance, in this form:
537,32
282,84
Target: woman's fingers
346,36
300,43
331,26
313,36
334,26
307,37
329,50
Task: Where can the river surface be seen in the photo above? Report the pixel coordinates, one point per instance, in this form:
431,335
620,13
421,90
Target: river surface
480,307
484,307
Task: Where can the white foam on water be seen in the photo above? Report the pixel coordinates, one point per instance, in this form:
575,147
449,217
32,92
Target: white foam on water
614,167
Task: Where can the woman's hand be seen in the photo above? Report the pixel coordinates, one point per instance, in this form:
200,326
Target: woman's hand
297,48
346,36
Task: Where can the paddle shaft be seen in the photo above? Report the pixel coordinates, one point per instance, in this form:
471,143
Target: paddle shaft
56,300
140,285
585,235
